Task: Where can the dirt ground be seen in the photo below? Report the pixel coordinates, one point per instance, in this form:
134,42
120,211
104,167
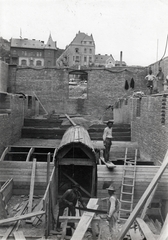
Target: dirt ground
38,231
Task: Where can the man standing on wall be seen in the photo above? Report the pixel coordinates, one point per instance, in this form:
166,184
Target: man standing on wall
152,81
107,139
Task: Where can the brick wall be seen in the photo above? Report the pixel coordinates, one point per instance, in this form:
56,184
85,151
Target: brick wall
10,124
52,88
3,76
150,130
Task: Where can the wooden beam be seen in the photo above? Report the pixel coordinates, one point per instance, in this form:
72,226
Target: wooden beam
109,164
29,154
25,216
149,200
143,199
71,121
7,149
32,186
85,220
48,167
76,161
145,229
19,235
40,103
73,181
164,232
76,219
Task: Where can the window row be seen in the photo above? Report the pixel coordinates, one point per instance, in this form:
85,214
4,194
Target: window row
31,63
78,58
86,50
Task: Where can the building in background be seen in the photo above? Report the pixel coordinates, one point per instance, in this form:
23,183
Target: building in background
25,52
80,52
106,61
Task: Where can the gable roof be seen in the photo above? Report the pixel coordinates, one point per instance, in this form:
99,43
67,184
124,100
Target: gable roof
80,37
50,44
26,43
103,58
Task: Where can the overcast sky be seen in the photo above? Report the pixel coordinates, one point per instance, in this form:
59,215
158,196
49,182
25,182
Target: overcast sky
138,28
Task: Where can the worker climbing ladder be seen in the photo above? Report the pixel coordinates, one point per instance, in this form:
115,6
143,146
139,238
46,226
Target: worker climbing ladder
127,187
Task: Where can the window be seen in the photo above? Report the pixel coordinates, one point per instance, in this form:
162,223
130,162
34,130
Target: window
30,102
77,50
38,63
31,62
84,42
39,54
23,62
77,57
90,42
85,59
90,59
85,50
90,50
138,109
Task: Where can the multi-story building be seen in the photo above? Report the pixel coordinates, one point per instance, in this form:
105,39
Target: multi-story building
80,52
25,52
106,61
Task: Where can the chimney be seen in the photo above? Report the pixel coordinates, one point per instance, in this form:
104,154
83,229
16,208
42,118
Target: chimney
121,59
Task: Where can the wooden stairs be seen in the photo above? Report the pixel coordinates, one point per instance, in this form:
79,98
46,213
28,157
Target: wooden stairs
53,129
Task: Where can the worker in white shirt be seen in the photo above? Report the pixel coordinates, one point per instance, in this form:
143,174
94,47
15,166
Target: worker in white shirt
113,208
107,139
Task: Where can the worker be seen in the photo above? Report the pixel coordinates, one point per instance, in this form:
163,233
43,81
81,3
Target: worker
160,77
152,81
112,209
107,139
69,200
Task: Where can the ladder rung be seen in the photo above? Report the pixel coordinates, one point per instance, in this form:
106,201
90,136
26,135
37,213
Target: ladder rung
126,201
127,193
125,210
128,185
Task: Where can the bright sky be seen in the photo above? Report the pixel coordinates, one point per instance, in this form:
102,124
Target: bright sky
138,28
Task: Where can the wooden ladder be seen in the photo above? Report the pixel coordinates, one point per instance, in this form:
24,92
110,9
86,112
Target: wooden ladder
127,187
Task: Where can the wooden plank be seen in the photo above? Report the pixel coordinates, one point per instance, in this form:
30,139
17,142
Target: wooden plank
149,200
71,121
16,218
85,220
64,225
6,190
164,232
3,213
144,197
109,164
40,103
145,229
135,234
76,219
19,235
10,229
32,186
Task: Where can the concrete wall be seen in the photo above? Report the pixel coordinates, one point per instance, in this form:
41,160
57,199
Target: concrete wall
3,76
150,129
11,123
52,88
